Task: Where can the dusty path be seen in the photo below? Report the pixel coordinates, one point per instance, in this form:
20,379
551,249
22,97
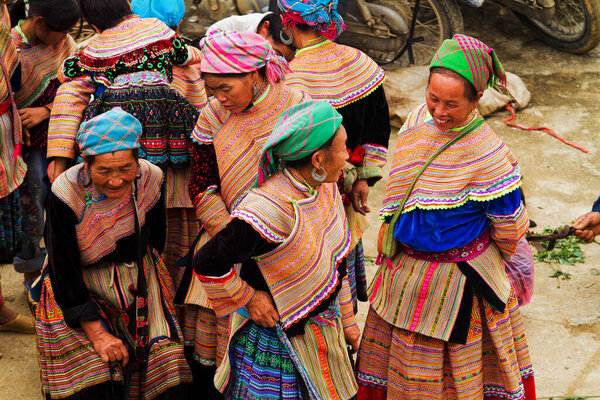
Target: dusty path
563,322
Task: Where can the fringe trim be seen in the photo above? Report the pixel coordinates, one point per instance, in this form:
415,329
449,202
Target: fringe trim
131,58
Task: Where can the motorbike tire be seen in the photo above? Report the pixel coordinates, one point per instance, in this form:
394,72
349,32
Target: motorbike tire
575,27
443,16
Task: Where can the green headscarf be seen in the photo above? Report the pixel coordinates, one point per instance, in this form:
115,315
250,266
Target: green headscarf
472,59
300,131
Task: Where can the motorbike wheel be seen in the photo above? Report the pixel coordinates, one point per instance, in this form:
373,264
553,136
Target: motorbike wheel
436,21
575,27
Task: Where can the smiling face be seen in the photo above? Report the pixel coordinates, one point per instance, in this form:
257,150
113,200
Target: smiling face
447,101
234,93
113,173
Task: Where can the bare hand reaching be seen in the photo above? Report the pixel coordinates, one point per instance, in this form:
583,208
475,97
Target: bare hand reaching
587,226
262,310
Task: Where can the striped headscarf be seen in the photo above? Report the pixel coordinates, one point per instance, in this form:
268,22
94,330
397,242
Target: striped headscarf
472,59
300,131
241,52
322,15
111,131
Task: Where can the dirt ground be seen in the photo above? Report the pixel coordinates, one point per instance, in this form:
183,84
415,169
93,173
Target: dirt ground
563,322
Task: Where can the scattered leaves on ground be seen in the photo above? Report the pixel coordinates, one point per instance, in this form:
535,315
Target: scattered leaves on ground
566,251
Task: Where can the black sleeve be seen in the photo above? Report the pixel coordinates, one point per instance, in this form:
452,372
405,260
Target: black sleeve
156,222
205,170
64,264
367,121
236,243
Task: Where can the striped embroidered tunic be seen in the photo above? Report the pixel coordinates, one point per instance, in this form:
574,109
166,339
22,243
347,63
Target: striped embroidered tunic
227,150
119,50
350,81
92,274
12,166
301,272
471,188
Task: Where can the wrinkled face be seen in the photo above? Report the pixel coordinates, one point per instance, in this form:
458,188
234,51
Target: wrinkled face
113,173
46,35
234,93
335,157
446,101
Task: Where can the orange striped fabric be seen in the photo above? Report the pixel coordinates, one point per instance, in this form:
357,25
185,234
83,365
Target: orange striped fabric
104,221
333,72
302,271
479,167
39,65
238,141
10,57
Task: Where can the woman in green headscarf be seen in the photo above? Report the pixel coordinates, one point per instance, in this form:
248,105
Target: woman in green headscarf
444,322
291,314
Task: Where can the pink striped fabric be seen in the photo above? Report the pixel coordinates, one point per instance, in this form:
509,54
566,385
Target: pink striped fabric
240,52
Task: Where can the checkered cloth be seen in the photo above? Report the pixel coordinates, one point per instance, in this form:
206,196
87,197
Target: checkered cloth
300,131
111,131
472,59
240,52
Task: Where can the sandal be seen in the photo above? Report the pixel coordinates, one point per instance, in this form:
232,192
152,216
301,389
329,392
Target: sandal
21,324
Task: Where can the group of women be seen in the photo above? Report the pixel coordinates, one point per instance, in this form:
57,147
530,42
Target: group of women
211,247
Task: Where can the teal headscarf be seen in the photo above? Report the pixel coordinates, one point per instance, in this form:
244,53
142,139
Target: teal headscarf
168,11
300,131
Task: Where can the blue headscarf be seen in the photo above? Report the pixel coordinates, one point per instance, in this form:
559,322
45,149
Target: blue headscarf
322,15
111,131
168,11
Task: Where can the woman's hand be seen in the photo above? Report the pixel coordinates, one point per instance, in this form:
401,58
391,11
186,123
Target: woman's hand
352,335
33,116
587,226
262,310
57,167
108,347
358,196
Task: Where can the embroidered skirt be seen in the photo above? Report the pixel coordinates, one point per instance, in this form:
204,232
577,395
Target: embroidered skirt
494,364
258,361
70,368
357,274
167,117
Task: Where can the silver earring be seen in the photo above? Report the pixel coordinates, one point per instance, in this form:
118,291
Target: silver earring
319,176
287,41
255,89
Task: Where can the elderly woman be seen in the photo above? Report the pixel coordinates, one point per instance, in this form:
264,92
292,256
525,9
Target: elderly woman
244,76
350,81
444,322
105,321
290,234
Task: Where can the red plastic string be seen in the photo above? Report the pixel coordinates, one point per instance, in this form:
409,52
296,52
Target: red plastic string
508,122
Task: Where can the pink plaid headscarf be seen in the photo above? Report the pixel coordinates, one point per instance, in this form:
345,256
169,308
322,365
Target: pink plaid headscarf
241,52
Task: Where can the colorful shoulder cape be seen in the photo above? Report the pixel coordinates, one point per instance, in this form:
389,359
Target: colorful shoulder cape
39,65
335,73
311,227
238,138
478,167
133,42
103,221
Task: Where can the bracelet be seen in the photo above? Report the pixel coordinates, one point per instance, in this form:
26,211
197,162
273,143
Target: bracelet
47,108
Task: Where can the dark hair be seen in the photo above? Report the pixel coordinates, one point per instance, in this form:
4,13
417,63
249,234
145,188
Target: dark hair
104,14
305,161
58,15
470,91
275,27
262,72
91,159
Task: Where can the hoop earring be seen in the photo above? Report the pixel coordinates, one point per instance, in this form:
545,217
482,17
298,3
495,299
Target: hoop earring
287,41
319,176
